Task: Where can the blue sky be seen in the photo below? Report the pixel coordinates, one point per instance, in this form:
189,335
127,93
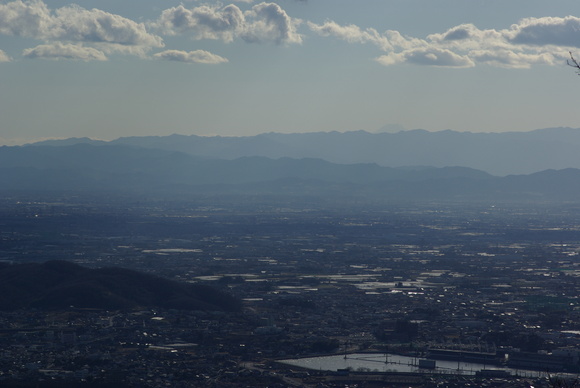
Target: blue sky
108,69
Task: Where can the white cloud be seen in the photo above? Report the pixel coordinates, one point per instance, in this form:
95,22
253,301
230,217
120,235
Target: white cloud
31,19
4,57
197,56
92,34
510,59
73,24
203,22
401,42
65,51
389,40
264,22
400,49
530,42
468,36
546,31
351,33
269,22
430,56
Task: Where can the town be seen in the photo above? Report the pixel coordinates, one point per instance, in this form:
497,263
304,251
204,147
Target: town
493,284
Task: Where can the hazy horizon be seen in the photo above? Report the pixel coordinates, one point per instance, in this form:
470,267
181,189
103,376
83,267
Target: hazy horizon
21,141
241,68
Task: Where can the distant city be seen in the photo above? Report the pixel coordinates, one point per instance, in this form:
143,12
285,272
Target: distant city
494,285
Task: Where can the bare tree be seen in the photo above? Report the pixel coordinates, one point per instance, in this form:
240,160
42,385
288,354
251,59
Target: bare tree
574,63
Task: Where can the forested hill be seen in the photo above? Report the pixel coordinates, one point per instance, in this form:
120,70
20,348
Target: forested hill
56,285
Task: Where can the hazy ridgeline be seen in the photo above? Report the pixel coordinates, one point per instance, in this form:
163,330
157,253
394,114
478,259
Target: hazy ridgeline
412,165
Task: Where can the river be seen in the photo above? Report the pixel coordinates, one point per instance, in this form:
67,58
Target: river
396,363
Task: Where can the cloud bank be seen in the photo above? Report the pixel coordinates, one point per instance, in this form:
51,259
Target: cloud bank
73,32
76,33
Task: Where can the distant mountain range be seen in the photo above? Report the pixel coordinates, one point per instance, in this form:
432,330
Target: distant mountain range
495,153
56,285
83,165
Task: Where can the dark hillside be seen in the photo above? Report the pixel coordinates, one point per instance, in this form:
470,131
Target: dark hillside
55,285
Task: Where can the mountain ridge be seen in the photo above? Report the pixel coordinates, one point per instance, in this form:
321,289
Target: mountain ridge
130,169
495,153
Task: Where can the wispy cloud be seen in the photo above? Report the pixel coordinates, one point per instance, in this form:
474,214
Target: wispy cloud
529,42
59,50
197,56
351,33
511,59
429,56
4,57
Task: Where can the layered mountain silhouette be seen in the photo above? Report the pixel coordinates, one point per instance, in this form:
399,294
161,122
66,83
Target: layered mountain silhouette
86,167
495,153
56,285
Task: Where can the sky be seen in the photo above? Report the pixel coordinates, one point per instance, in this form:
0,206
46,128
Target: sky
112,68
